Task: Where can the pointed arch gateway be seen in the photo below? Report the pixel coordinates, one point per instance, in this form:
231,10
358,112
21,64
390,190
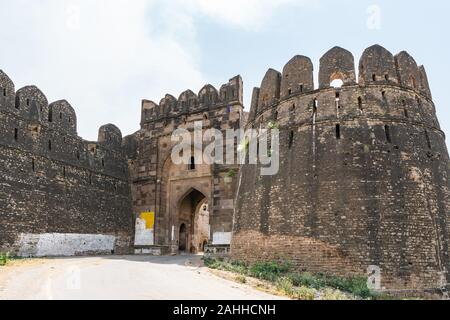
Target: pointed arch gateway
186,199
193,221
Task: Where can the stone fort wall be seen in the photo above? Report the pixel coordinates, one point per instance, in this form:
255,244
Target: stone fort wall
364,173
158,186
59,194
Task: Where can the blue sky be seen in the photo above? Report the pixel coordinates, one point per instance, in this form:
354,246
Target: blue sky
104,56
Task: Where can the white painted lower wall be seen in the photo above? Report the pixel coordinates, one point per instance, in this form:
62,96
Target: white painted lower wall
64,245
222,238
143,236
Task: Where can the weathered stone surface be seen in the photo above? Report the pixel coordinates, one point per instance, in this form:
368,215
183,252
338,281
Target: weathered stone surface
176,194
363,180
55,187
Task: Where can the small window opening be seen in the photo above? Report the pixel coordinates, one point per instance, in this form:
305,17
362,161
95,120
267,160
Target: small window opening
28,102
275,116
17,102
205,117
338,99
360,104
405,111
90,178
386,77
427,136
103,162
16,134
78,155
301,88
315,104
4,92
60,115
232,93
374,77
50,145
387,131
337,83
33,166
293,107
338,131
64,172
383,94
289,91
192,163
291,139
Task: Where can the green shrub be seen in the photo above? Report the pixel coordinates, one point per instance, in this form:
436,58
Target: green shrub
232,173
304,293
285,285
241,279
305,279
353,285
4,258
236,267
269,271
334,295
304,286
273,125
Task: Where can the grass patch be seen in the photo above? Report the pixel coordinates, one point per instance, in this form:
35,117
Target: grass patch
302,286
4,259
241,279
354,285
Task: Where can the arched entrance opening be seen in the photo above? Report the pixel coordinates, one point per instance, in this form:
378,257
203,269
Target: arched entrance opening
193,220
183,238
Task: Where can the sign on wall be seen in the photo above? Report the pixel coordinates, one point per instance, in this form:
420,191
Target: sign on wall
145,229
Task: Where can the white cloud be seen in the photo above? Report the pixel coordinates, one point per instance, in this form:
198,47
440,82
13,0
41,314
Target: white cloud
247,14
104,56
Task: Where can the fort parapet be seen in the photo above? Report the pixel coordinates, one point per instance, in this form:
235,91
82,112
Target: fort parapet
363,181
185,207
59,194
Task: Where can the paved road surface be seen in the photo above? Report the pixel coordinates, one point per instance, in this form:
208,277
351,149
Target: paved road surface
123,277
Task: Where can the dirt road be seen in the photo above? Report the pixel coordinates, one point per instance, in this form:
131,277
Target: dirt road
123,277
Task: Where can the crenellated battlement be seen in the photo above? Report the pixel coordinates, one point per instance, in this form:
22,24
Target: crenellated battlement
378,70
207,99
363,172
56,187
50,131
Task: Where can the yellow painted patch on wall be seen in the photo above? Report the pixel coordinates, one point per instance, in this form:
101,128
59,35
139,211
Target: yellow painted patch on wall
149,218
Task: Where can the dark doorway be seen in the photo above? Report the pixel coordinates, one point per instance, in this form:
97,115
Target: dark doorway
193,219
183,238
